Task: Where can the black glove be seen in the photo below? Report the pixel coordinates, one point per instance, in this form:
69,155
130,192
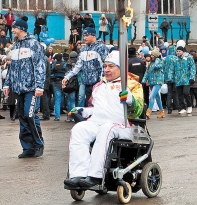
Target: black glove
191,81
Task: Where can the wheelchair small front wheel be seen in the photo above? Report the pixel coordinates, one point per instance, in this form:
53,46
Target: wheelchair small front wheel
151,179
123,197
77,195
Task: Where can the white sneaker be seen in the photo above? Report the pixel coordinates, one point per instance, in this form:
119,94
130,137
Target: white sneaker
182,111
189,110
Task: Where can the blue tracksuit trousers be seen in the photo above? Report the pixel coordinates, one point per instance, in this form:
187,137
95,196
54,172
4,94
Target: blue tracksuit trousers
30,131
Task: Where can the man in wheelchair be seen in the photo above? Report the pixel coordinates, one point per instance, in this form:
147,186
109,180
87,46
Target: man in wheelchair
106,122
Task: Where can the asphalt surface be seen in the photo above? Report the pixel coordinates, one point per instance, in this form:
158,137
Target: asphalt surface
40,180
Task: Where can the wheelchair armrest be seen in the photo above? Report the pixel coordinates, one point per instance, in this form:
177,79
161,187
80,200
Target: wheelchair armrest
138,120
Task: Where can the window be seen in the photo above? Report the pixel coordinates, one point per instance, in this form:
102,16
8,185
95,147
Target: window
5,4
32,4
178,7
96,5
48,5
41,4
165,7
14,4
112,5
83,5
104,5
22,4
168,7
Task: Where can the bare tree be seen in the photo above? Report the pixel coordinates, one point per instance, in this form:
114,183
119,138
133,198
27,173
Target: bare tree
20,9
66,10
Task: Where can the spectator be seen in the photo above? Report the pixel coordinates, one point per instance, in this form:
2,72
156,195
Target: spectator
65,55
8,48
71,96
154,76
46,95
44,35
137,67
74,38
144,39
2,51
88,20
164,27
38,25
90,62
103,26
58,72
4,39
193,88
26,77
185,74
77,23
2,22
1,117
169,64
143,44
9,16
11,98
158,41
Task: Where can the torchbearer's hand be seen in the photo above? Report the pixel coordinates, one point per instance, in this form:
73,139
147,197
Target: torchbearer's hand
125,97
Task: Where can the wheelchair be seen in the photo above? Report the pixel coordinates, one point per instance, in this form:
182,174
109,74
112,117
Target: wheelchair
128,167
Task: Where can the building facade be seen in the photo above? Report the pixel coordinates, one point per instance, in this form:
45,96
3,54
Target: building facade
179,12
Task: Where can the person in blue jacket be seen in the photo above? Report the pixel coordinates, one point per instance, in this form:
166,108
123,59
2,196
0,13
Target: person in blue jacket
90,62
44,34
26,77
185,73
155,78
169,63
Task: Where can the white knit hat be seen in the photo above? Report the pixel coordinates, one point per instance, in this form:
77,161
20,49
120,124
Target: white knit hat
113,58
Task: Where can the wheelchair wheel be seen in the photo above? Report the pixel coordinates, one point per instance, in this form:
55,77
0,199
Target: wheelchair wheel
151,179
101,192
77,195
123,197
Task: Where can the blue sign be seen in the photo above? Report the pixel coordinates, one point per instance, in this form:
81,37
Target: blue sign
153,6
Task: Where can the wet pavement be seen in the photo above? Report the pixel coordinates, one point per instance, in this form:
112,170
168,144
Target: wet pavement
40,180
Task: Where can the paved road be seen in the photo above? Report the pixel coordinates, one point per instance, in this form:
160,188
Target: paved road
40,181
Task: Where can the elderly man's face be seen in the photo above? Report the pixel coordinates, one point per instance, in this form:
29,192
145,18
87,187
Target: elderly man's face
111,71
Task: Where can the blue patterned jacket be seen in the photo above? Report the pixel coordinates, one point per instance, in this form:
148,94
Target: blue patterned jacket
27,69
169,64
90,62
154,73
185,70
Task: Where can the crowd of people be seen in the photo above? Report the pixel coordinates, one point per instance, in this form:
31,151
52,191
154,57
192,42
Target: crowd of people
65,80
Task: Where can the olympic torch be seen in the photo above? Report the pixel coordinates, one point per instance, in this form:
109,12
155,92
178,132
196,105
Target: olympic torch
123,46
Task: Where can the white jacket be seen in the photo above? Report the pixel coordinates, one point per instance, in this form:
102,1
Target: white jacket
103,25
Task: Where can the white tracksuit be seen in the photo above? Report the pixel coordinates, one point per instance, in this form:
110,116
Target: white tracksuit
106,122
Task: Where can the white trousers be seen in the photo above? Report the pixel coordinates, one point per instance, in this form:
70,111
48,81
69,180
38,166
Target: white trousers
81,163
